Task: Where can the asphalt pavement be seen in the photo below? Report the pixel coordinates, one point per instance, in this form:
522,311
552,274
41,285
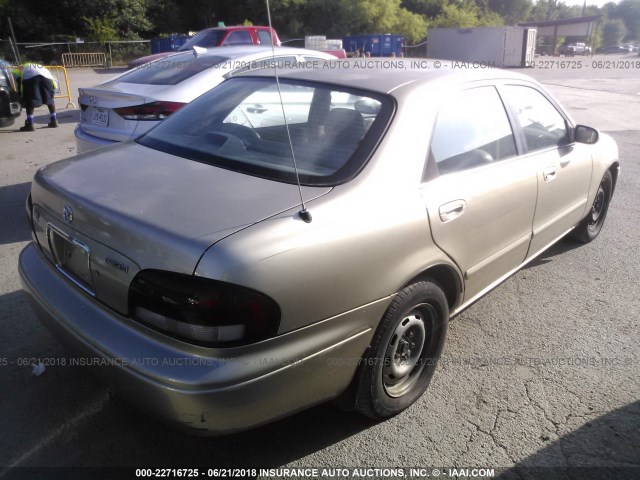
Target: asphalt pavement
542,373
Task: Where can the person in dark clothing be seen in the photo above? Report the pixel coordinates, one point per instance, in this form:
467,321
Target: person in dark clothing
37,88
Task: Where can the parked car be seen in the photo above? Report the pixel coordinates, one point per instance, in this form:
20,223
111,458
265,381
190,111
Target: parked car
614,49
10,107
134,102
229,274
574,49
217,37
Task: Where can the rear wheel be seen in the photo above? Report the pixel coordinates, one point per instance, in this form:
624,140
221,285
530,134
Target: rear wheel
590,227
404,351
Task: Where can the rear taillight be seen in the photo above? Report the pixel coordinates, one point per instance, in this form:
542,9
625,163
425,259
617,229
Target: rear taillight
149,111
202,311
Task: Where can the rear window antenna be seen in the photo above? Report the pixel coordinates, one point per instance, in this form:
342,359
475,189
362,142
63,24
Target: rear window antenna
304,213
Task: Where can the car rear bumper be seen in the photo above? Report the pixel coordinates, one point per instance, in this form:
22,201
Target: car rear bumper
9,107
211,391
86,142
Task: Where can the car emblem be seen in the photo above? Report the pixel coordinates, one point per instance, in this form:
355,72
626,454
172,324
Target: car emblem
116,264
92,99
67,214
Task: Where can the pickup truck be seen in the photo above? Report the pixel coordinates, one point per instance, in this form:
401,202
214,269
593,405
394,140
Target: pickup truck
574,49
217,37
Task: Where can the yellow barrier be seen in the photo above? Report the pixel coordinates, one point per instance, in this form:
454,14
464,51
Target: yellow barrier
84,60
58,94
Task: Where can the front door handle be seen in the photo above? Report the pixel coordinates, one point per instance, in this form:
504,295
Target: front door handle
257,109
549,174
452,210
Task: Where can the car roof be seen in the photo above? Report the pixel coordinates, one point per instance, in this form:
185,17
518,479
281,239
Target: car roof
236,27
247,50
385,75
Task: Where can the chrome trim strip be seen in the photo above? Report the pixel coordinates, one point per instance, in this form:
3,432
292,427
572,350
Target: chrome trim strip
557,218
487,261
505,276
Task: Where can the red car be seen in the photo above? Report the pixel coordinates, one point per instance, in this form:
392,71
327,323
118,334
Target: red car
217,37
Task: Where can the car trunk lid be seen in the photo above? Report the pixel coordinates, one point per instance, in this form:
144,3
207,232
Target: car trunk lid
119,210
97,115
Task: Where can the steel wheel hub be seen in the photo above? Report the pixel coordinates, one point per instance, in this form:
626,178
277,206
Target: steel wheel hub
403,354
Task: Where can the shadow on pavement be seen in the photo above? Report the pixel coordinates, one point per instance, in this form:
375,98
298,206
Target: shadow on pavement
13,214
605,448
64,116
129,438
565,245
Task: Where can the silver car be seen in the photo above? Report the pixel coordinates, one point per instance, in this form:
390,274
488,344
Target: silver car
228,269
131,104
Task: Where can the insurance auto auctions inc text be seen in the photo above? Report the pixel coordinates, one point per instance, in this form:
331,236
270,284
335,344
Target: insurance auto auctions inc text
370,473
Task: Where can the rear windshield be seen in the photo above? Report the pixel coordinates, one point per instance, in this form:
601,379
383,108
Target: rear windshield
171,70
205,38
240,126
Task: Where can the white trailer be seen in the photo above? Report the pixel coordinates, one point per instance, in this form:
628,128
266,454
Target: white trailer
495,46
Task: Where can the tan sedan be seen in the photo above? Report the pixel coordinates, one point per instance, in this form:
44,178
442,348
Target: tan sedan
247,259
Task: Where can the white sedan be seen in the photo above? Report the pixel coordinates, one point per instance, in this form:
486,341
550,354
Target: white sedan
131,104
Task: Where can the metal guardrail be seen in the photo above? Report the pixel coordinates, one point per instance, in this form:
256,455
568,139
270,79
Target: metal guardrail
71,60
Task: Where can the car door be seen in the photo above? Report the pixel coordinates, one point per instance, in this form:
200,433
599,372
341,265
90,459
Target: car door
563,167
480,195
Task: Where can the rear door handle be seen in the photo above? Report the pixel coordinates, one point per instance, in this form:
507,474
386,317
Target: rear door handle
452,210
549,174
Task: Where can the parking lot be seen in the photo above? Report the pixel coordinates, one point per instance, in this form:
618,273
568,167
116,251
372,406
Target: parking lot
541,373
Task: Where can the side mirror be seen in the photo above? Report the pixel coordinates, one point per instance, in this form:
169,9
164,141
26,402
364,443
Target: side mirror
583,134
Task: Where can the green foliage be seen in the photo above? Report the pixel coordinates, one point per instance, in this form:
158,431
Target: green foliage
384,16
545,10
613,31
512,11
101,20
465,15
629,12
101,29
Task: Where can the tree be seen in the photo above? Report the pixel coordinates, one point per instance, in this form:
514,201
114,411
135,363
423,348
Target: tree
101,29
384,16
613,31
466,15
512,11
545,10
629,12
429,9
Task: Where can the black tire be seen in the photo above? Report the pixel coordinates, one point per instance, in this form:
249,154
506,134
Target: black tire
590,227
395,372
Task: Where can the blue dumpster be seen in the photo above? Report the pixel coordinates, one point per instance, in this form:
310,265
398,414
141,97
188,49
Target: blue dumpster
376,45
168,44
